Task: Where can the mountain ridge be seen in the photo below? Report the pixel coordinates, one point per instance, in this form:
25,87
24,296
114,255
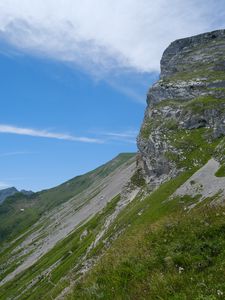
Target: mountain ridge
11,191
145,226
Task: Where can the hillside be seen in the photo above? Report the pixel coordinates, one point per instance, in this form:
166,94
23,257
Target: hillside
173,244
49,216
37,204
5,193
145,226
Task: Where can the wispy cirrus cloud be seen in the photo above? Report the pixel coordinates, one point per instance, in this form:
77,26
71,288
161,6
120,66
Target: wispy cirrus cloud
15,153
111,34
45,134
100,136
128,136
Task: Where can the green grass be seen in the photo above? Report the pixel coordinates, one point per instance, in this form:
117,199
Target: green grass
13,222
138,179
196,147
126,268
198,73
135,258
178,257
146,129
68,252
153,208
189,147
48,286
197,105
204,103
220,172
159,251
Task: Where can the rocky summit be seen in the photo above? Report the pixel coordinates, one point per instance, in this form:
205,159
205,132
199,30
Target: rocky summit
189,95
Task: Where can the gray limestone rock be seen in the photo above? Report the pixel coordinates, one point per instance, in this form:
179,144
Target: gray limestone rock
189,96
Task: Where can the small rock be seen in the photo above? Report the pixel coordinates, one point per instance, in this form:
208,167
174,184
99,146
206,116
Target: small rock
219,293
180,270
84,234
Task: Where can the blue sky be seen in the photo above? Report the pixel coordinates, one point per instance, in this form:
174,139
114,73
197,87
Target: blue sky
44,95
74,78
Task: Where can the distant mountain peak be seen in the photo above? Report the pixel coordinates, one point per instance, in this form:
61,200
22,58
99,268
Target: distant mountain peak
5,193
8,192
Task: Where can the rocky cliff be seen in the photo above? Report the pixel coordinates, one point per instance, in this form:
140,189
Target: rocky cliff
186,108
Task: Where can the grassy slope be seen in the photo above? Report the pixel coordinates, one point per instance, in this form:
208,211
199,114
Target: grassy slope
147,261
70,250
143,263
221,172
73,244
180,256
13,222
126,269
47,285
162,253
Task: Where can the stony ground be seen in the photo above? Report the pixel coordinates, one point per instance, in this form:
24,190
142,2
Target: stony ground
204,183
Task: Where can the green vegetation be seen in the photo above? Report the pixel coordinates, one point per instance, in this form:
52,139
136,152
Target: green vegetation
137,179
61,260
220,152
165,253
202,71
197,105
154,257
46,285
178,257
14,222
192,147
146,129
159,246
171,124
220,172
189,147
204,103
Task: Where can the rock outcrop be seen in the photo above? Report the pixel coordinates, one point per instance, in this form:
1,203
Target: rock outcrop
185,108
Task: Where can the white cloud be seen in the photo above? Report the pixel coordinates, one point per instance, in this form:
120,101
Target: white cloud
45,134
125,134
128,136
102,36
15,153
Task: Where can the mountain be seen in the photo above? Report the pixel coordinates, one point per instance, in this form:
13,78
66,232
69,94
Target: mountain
143,226
31,226
5,193
185,117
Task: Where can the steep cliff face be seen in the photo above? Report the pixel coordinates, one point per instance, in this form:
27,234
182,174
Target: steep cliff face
186,108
